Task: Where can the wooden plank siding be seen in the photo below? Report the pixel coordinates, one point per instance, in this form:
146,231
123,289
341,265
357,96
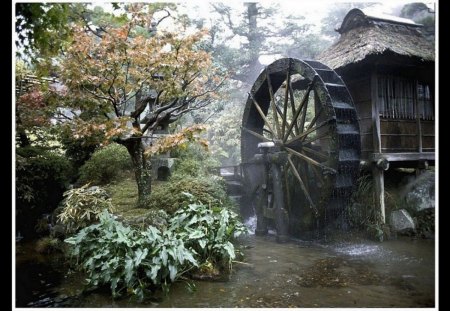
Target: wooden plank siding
409,132
361,95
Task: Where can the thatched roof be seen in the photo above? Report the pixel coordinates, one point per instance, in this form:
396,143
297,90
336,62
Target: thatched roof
364,34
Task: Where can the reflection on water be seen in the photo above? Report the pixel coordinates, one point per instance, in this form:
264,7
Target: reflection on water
397,273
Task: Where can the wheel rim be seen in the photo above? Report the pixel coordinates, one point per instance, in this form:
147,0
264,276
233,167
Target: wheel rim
306,110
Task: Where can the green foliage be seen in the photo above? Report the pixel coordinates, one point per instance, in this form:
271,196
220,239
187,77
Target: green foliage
48,245
83,206
136,261
411,9
420,14
41,178
225,135
170,196
42,27
179,141
191,174
362,213
105,165
207,230
129,260
78,150
193,161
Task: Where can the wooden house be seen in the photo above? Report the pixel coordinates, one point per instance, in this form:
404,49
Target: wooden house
389,69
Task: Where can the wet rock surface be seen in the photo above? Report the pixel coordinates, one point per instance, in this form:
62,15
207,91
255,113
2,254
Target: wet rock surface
401,221
419,193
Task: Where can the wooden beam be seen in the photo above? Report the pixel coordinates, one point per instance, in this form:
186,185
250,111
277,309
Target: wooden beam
403,156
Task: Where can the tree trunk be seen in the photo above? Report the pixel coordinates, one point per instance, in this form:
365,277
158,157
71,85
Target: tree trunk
142,168
23,139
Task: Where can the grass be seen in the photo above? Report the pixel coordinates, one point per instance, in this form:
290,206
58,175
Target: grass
124,193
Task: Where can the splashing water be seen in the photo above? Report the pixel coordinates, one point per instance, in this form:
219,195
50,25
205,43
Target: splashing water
359,249
250,223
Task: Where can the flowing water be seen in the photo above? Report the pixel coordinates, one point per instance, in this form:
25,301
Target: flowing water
356,273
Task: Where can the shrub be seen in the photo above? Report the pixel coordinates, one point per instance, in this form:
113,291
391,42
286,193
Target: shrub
127,259
170,196
83,206
208,231
136,261
77,150
48,245
105,165
41,179
193,161
362,212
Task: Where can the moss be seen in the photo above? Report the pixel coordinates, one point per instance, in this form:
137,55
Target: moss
170,196
142,218
123,194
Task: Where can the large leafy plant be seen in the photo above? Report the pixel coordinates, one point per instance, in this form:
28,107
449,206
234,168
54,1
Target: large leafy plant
129,260
208,231
136,261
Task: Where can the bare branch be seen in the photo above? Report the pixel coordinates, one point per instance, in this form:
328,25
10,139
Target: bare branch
162,18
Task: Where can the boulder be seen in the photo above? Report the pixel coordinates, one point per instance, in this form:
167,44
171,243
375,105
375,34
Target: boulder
401,221
420,193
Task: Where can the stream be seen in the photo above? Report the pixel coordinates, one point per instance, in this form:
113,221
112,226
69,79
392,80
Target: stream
351,273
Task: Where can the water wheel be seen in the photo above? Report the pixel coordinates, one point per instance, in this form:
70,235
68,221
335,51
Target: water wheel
305,109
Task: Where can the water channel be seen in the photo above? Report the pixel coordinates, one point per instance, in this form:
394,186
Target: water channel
351,273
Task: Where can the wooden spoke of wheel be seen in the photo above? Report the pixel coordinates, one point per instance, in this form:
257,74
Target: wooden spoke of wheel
318,175
272,103
279,111
306,142
314,120
314,169
267,131
305,110
302,185
291,97
255,134
261,113
286,99
309,160
307,132
302,103
315,152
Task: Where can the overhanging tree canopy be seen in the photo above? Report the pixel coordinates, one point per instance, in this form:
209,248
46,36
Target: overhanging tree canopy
126,82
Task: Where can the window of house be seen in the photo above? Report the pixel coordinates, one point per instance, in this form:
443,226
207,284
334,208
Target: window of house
425,103
397,98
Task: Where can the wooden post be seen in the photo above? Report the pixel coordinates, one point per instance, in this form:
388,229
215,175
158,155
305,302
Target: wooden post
419,125
375,114
378,174
378,177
